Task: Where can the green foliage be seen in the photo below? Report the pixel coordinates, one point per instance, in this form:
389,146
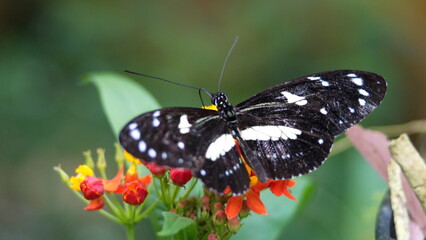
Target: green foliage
175,224
122,98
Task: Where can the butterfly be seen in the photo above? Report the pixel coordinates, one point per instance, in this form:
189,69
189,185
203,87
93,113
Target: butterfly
282,132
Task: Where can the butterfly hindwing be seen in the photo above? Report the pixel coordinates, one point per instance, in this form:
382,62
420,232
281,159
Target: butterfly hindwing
291,126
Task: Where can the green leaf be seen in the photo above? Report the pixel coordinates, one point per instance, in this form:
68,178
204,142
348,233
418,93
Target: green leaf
121,97
185,228
281,211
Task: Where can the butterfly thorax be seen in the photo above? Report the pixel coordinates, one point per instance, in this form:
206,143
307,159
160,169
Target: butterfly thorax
226,110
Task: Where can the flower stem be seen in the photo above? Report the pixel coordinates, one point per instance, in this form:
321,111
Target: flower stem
130,231
189,190
147,211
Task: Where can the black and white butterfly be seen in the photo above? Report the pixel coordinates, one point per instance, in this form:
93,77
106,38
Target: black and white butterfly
283,132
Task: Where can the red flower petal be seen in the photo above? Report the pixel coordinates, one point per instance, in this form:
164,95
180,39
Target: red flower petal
233,206
180,176
155,169
95,204
92,187
254,202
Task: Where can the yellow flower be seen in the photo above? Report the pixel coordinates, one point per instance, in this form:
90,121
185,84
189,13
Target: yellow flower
129,157
82,172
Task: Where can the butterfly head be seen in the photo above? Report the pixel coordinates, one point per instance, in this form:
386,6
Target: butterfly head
220,100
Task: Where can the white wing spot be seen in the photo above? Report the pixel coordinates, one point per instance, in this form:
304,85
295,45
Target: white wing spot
292,98
363,92
220,146
180,160
152,153
270,132
181,145
133,126
320,141
323,111
340,122
155,122
156,114
184,125
325,83
163,155
142,146
302,102
135,134
203,172
314,78
358,81
351,109
352,75
361,101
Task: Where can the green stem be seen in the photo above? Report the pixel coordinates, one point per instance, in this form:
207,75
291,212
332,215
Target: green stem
175,193
102,211
130,231
165,193
189,190
115,206
147,211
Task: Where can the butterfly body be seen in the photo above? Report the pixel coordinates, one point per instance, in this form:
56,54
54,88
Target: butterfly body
282,132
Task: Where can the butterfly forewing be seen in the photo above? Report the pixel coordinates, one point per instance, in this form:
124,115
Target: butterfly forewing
291,126
170,136
191,138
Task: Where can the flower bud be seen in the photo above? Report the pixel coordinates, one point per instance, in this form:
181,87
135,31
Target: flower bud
92,187
119,154
101,163
217,206
134,193
245,210
62,174
204,210
180,176
155,169
205,200
181,205
88,159
212,236
234,224
219,217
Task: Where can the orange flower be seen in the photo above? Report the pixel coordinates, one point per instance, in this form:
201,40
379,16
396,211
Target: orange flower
95,204
278,187
134,193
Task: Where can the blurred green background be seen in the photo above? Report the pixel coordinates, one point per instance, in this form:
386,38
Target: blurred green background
48,118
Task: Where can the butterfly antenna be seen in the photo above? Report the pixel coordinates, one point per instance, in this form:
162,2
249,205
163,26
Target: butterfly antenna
162,79
226,60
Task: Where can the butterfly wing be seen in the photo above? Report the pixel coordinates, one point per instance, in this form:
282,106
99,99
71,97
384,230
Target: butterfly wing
191,138
291,126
